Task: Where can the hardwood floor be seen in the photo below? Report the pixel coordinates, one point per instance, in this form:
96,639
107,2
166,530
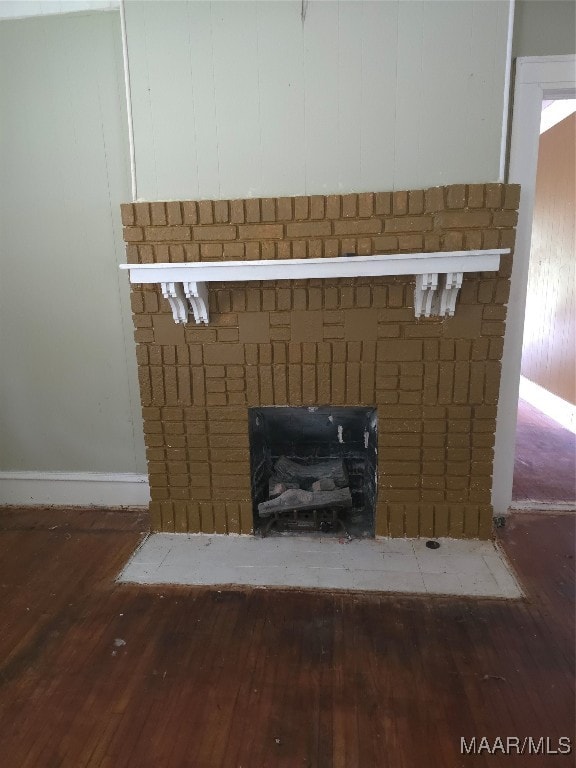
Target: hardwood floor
545,460
99,675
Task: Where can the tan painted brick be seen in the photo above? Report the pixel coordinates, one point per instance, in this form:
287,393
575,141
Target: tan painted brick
211,251
133,234
317,207
366,204
307,326
268,209
237,214
502,293
252,250
189,212
400,203
382,203
512,196
462,219
410,243
349,206
456,196
222,232
301,207
132,256
221,211
205,212
347,296
177,253
127,214
361,324
158,214
494,195
279,384
408,224
261,231
358,227
309,229
158,234
265,385
385,243
142,214
388,331
285,209
504,218
353,382
280,334
298,249
223,354
252,208
295,384
174,212
416,201
434,199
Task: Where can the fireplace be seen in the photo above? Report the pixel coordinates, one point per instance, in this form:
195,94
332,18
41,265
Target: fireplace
330,453
387,303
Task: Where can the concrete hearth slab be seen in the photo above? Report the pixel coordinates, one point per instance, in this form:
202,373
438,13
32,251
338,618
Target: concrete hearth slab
458,567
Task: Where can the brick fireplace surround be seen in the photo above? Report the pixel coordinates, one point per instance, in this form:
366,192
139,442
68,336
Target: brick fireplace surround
344,342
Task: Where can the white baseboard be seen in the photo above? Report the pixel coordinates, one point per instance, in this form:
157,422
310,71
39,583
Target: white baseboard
561,411
527,505
90,489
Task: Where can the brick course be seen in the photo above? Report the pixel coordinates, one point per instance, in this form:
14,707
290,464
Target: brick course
345,342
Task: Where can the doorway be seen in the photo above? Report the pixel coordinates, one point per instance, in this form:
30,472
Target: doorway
545,467
537,79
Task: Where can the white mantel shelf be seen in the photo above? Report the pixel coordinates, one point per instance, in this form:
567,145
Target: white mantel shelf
438,276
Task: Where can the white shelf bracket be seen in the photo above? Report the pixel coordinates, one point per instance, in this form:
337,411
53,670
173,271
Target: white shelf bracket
450,289
197,295
175,295
426,285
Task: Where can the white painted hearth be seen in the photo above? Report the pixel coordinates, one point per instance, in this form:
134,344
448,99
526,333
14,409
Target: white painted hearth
438,276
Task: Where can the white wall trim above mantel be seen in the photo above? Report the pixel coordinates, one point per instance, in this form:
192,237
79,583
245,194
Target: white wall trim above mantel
98,489
438,276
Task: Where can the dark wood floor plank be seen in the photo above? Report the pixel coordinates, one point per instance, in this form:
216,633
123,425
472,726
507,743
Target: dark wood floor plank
279,678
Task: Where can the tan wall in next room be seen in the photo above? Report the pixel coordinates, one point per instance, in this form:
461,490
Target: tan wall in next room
549,352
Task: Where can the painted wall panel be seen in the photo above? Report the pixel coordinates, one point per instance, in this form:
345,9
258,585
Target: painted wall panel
356,96
19,9
282,99
234,28
379,90
549,351
322,113
544,27
68,392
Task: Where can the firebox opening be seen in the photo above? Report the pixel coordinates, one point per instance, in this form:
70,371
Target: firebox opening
314,468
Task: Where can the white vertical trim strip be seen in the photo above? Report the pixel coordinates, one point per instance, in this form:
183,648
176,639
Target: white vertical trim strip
506,103
128,100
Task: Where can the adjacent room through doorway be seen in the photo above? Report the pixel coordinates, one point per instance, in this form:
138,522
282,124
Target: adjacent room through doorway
545,467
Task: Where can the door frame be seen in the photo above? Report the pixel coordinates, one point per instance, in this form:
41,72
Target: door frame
536,78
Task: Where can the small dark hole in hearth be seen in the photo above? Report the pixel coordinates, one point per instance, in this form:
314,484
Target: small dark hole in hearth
314,469
433,544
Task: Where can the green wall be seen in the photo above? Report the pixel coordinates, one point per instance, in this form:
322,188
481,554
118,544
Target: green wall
68,389
544,28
